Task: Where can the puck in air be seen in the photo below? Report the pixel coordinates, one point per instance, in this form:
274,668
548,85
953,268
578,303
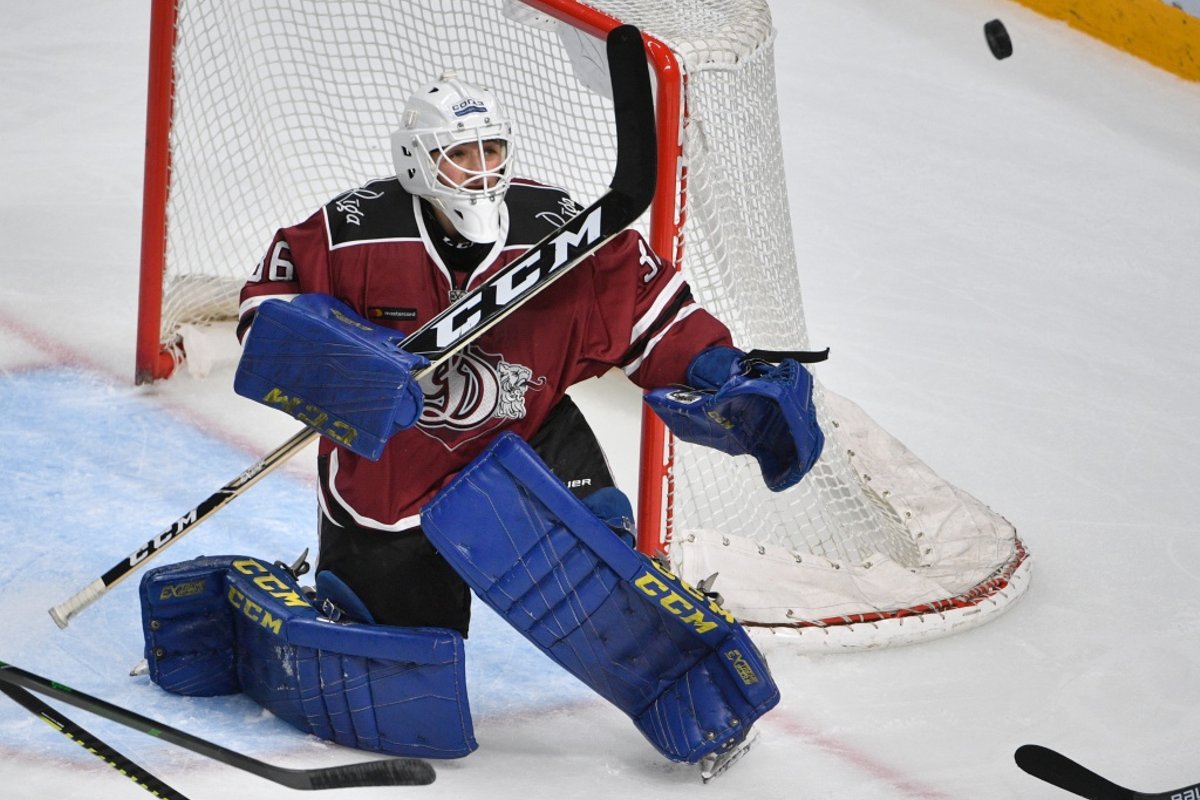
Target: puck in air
997,39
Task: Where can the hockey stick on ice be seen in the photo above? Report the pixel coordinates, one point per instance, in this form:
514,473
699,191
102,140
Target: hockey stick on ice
1055,768
388,772
630,193
90,743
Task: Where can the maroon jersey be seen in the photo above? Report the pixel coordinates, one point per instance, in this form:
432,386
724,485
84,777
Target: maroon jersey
371,248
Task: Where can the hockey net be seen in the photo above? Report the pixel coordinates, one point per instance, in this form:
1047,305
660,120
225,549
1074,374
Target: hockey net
265,111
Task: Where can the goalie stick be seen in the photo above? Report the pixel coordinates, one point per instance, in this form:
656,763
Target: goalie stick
1055,768
630,193
388,772
90,742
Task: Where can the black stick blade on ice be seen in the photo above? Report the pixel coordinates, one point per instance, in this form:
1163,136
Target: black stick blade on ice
386,772
1058,770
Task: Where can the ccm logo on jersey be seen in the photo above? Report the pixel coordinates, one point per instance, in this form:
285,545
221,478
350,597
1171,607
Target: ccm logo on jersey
695,609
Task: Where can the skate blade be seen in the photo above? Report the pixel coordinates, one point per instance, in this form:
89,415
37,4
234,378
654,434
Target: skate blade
715,765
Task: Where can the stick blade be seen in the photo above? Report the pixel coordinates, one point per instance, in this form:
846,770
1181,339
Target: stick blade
1058,770
636,171
390,772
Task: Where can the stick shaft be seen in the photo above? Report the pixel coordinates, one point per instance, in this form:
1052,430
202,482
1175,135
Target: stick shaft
390,772
90,742
68,609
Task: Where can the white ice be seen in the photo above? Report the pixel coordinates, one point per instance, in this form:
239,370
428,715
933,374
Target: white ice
1003,257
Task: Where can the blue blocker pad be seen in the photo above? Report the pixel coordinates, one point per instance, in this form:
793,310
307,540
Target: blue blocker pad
675,662
228,624
319,361
763,411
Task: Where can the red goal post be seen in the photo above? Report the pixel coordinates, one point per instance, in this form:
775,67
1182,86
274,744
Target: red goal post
872,548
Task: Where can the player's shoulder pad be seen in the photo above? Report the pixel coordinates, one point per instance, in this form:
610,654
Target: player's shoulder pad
535,210
377,210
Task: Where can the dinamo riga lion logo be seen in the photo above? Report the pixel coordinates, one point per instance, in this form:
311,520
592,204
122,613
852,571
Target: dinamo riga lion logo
472,392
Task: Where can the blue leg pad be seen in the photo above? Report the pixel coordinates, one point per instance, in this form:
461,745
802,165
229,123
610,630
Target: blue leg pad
670,658
227,624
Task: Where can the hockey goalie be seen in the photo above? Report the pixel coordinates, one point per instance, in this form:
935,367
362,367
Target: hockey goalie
436,483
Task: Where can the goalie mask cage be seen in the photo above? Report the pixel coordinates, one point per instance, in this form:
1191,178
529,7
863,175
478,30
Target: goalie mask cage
260,112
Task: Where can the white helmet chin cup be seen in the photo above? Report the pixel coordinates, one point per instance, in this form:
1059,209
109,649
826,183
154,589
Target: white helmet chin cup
446,114
477,220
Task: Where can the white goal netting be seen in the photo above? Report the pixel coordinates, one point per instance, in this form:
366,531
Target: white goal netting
280,106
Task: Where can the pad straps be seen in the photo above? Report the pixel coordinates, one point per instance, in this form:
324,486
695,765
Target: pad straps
800,356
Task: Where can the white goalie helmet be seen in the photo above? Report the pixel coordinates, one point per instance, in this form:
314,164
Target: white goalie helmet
442,119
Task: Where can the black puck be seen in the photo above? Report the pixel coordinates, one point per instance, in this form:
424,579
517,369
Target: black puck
997,39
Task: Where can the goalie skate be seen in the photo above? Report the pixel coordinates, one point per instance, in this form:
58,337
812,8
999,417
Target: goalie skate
715,765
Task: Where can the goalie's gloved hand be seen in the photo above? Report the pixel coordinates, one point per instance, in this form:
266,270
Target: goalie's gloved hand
319,361
713,367
741,404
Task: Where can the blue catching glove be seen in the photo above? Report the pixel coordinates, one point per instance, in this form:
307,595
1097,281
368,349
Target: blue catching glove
744,405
